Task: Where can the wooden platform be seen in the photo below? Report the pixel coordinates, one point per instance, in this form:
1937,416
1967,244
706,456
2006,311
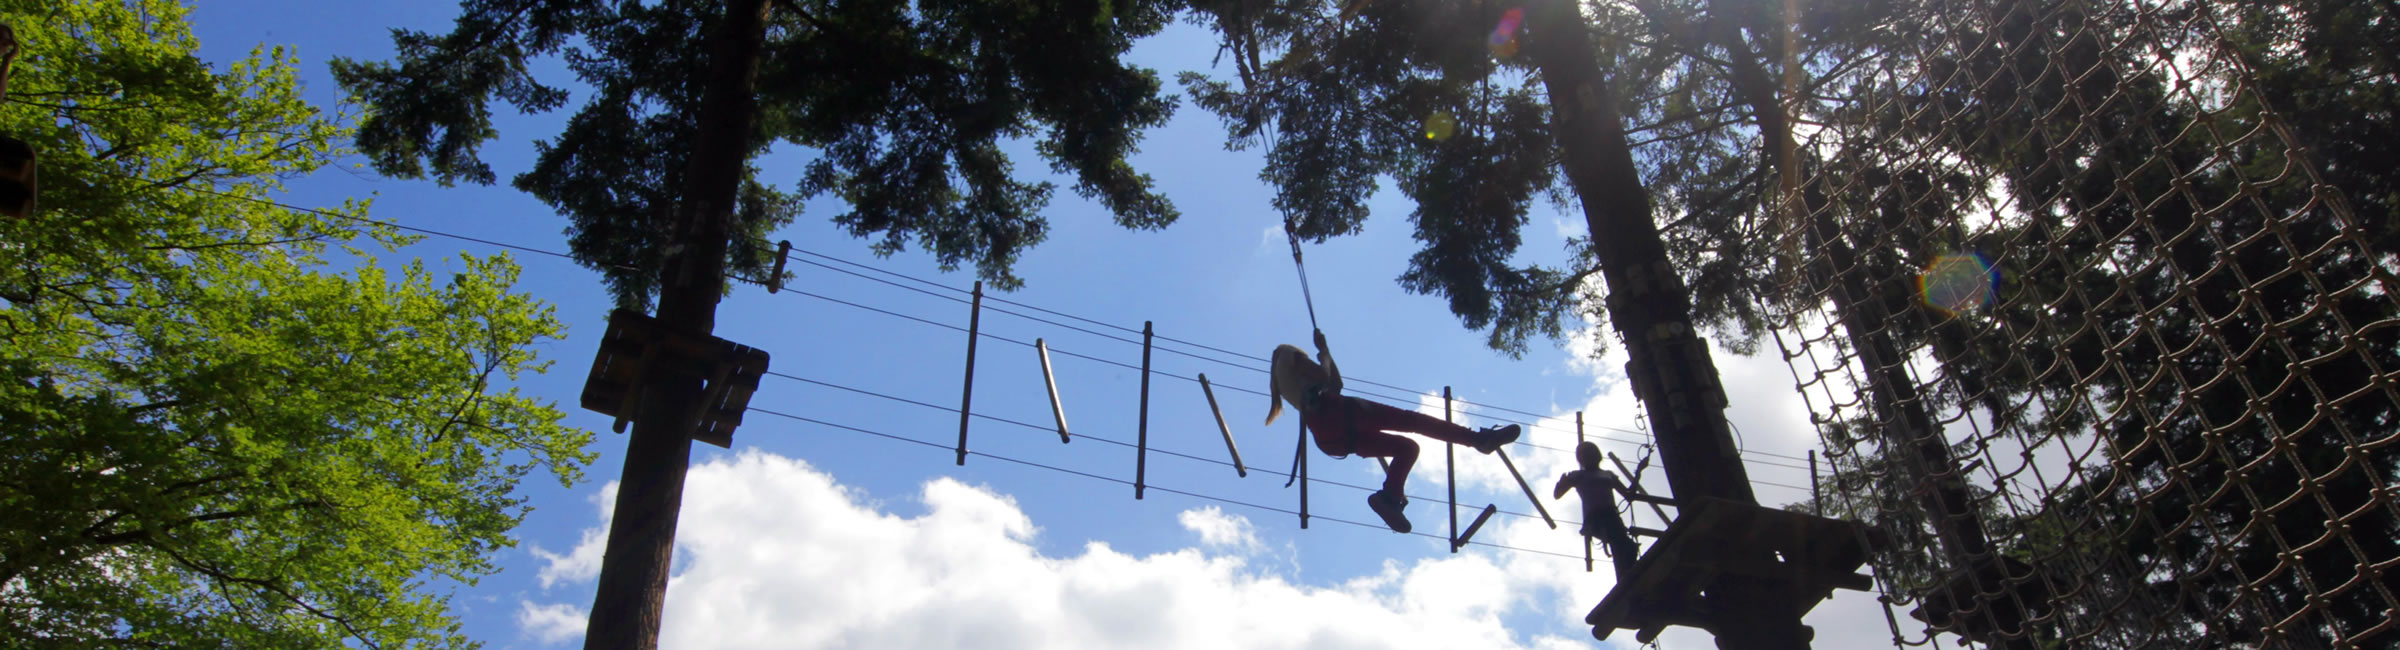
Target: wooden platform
635,342
1798,559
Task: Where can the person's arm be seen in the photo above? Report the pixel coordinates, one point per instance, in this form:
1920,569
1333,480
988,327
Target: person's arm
1333,374
1565,482
1615,487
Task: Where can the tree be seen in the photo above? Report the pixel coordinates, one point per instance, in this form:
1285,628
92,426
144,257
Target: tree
907,110
1933,108
211,440
904,103
2150,316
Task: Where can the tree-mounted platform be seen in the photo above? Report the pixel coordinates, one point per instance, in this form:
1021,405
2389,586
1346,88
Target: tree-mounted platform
1798,558
636,343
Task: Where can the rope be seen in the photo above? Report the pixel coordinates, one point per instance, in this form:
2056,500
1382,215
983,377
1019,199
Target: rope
1300,446
1311,301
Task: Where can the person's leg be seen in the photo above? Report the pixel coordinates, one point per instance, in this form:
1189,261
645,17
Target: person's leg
1377,416
1402,451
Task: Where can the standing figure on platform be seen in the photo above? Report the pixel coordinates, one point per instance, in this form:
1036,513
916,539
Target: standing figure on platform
1599,489
1345,425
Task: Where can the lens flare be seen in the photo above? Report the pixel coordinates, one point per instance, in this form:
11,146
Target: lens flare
1440,126
1504,36
1955,284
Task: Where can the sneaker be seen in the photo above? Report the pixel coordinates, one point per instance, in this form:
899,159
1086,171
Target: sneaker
1388,505
1493,438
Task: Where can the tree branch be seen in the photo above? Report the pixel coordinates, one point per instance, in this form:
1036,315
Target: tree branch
270,587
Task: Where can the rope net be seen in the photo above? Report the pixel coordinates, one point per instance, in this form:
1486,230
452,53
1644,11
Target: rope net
2090,333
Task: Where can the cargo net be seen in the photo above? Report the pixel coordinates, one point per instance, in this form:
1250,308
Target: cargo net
2105,356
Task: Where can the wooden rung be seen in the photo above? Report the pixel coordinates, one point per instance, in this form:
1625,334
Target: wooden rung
1238,469
1058,410
1645,532
783,253
1464,537
1528,488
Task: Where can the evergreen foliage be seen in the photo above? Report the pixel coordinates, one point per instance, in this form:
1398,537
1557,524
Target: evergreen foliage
907,107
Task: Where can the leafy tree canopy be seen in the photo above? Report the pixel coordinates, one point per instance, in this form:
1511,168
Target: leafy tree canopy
211,441
908,106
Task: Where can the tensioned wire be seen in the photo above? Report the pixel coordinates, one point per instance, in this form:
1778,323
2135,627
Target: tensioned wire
552,253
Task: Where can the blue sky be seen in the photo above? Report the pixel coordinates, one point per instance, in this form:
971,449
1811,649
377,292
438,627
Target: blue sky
804,535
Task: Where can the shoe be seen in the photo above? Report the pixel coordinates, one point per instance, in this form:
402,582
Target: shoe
1388,505
1493,438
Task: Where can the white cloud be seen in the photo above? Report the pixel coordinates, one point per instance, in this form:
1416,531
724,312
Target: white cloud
777,555
1220,530
581,564
773,553
550,624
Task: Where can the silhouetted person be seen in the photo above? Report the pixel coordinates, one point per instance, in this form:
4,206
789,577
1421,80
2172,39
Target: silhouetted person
1344,425
1599,489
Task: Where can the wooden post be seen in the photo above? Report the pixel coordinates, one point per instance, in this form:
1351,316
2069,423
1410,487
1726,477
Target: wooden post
1141,449
1450,475
966,396
631,594
1528,488
1587,541
1816,499
1236,452
1058,411
783,253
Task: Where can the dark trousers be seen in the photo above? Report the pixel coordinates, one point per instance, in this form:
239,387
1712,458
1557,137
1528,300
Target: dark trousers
1349,425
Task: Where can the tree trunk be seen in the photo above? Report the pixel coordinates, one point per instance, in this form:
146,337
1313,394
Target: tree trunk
641,539
1669,365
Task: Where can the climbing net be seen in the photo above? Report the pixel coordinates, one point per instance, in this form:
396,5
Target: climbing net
2091,336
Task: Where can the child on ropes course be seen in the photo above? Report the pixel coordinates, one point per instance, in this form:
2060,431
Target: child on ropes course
1345,425
1599,489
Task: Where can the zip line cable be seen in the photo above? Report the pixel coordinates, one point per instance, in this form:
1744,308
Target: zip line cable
1112,479
1303,271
